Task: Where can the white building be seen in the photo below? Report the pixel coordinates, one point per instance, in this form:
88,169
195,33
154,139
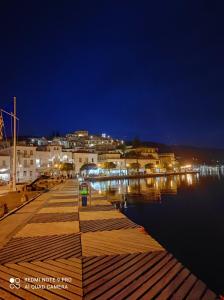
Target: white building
110,156
81,140
4,167
25,162
146,157
39,141
82,158
49,158
168,161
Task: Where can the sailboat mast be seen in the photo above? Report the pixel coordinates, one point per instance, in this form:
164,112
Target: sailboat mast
14,148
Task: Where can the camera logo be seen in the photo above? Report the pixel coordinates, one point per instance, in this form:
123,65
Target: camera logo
14,283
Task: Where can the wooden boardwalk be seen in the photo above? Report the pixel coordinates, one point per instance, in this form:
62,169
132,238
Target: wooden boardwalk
64,251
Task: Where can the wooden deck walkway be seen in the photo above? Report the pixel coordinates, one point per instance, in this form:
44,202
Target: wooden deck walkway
63,251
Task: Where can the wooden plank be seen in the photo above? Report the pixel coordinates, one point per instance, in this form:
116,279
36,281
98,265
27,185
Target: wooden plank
61,204
58,247
16,292
30,242
52,267
103,248
98,208
197,291
102,261
72,197
185,288
107,224
160,261
162,283
37,247
69,251
98,215
65,200
125,277
51,272
102,284
108,246
88,261
173,285
74,259
7,295
100,271
152,280
209,295
30,271
39,229
60,209
77,273
115,261
40,292
54,217
70,262
117,241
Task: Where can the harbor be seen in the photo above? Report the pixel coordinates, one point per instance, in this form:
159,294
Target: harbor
92,252
112,150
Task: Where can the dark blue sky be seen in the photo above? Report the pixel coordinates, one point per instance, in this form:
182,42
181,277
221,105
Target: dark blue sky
154,69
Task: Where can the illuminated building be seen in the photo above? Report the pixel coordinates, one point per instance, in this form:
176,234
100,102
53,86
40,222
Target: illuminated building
4,167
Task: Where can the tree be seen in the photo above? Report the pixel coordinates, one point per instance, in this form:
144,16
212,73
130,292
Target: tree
134,166
149,166
109,165
122,148
66,167
136,142
87,167
132,154
168,166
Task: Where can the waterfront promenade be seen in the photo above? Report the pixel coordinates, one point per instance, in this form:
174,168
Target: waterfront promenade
58,250
137,176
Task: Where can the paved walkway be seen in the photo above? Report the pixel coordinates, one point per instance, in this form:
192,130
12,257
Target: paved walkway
53,249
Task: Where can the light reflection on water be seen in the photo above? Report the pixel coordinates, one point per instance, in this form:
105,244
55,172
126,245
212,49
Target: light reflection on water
145,188
153,188
188,221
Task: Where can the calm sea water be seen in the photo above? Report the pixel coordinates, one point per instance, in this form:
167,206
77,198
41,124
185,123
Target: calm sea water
185,214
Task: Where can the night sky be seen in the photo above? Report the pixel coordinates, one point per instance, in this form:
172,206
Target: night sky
152,69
